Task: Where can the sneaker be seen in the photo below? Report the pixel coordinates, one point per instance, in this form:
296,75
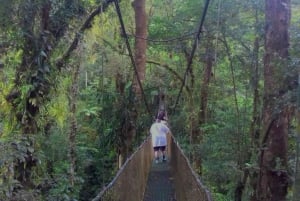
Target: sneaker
156,161
164,158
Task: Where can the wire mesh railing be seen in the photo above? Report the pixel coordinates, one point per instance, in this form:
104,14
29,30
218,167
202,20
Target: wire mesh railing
130,182
188,186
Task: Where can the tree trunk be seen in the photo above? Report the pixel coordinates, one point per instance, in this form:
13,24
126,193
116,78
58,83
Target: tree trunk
296,193
73,124
140,43
126,131
197,134
205,83
273,178
254,131
28,65
255,123
32,71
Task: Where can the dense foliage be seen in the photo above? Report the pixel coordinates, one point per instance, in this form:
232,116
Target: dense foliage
65,84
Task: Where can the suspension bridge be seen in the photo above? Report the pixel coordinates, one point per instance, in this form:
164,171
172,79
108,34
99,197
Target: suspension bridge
140,179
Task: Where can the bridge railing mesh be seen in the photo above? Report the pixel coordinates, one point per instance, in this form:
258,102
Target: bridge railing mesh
130,182
187,183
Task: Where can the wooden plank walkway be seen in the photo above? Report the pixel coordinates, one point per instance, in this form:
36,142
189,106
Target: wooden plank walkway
160,185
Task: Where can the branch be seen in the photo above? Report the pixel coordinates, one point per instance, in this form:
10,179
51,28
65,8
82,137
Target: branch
60,62
166,66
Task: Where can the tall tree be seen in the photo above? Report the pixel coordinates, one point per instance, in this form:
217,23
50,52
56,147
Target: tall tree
140,43
33,72
201,117
273,179
296,193
128,124
73,123
127,130
42,25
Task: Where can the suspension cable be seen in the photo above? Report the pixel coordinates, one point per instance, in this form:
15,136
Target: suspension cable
130,54
190,61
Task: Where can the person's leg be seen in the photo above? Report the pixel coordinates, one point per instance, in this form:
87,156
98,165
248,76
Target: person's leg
160,153
163,150
156,156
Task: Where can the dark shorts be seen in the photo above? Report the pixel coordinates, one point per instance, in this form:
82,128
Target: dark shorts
161,148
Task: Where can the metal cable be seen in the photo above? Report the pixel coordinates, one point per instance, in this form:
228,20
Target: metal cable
130,53
190,61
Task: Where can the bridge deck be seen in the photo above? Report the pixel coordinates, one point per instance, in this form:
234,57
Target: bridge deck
160,185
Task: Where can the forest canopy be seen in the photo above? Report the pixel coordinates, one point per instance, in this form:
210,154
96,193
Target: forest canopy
81,82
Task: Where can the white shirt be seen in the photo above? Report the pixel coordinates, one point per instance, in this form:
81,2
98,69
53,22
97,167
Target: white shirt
159,132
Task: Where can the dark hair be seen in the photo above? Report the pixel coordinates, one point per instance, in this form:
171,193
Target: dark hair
161,115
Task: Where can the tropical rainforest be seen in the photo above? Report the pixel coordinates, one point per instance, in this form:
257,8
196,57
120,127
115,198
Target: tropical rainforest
80,82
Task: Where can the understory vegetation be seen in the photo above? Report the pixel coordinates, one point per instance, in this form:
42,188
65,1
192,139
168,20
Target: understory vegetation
69,109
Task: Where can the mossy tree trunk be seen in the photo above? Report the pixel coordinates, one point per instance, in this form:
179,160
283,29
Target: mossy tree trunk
273,178
32,73
73,123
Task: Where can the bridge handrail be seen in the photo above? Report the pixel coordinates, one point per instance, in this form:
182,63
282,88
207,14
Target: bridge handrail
129,184
135,172
189,183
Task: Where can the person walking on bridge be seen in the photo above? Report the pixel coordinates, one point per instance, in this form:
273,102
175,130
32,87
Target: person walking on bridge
159,131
